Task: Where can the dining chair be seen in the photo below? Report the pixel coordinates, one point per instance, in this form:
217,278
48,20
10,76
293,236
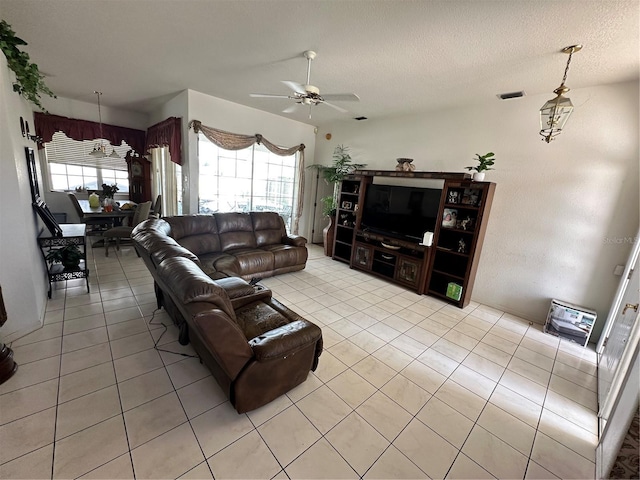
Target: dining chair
123,232
95,226
156,210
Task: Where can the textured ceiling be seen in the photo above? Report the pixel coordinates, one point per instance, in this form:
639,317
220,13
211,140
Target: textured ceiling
399,56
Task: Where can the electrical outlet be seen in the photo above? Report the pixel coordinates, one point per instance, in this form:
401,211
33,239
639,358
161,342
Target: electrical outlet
619,270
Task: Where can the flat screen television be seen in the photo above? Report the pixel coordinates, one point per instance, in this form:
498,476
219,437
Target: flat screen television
401,212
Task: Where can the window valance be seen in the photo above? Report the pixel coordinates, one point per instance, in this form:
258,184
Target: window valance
237,141
169,133
46,125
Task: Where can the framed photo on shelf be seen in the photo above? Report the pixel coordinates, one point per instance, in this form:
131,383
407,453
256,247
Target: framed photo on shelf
449,217
453,196
346,205
470,197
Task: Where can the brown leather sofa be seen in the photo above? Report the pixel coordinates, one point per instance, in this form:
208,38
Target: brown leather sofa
245,245
256,348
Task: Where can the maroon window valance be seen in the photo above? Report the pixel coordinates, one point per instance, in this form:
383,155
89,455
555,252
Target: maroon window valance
169,133
46,125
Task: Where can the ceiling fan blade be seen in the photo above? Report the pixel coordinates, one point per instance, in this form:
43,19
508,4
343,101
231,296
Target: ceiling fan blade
295,86
291,109
267,95
342,97
340,109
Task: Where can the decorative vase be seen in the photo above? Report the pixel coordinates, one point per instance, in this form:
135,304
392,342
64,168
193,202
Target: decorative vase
328,234
478,176
94,200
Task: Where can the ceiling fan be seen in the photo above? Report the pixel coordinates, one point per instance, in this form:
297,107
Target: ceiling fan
309,94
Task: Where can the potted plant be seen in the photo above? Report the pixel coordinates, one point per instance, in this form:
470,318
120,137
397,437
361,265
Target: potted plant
69,256
341,167
484,163
108,191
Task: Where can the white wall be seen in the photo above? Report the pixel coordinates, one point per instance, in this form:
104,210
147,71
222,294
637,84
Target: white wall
224,115
22,271
563,212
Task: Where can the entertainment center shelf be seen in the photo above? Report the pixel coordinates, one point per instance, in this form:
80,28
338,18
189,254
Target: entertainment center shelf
447,268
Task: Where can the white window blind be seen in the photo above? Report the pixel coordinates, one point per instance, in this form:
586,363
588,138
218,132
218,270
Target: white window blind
64,150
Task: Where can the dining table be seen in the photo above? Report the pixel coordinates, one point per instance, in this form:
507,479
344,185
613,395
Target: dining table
115,216
99,212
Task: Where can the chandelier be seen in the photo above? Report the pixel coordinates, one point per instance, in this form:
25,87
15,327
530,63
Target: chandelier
555,113
100,149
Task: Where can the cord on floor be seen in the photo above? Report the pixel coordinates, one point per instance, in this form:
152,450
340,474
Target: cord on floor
166,327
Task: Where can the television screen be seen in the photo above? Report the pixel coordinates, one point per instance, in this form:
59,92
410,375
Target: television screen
400,211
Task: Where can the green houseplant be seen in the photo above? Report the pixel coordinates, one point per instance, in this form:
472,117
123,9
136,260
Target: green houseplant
29,81
69,256
342,166
485,162
108,191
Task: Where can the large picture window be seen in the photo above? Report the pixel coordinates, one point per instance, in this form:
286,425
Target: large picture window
251,179
71,167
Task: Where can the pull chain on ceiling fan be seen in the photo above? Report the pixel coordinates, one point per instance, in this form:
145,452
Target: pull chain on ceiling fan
308,94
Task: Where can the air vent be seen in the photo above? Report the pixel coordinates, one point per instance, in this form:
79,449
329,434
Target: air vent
360,118
507,96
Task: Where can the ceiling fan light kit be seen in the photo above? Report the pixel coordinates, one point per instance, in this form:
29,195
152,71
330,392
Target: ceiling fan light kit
555,113
308,94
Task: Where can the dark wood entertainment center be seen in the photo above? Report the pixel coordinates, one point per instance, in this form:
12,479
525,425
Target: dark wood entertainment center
448,267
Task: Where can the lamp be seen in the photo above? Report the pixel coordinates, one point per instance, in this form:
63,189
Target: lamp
555,113
99,149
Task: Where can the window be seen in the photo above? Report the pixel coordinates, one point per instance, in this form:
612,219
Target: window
252,179
70,166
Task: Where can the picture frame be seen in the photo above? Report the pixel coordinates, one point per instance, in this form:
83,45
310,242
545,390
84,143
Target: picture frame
47,217
470,197
346,205
33,174
449,217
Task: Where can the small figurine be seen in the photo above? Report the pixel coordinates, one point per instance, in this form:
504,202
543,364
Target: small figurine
453,196
461,246
467,222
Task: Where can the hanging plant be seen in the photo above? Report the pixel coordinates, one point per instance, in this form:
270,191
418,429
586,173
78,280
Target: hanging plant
29,81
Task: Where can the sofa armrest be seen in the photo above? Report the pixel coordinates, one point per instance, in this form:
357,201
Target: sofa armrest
295,240
241,292
285,340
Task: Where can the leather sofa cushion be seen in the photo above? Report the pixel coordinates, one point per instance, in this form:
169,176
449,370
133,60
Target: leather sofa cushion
197,233
245,262
286,255
208,261
236,231
190,284
268,228
258,318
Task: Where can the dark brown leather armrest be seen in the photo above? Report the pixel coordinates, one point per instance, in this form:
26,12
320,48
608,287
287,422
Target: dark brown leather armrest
235,286
241,293
286,340
295,240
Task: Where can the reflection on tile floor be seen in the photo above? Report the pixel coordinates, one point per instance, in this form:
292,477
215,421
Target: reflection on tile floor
407,387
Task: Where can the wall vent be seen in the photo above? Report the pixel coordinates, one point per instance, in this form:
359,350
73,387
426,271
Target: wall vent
507,96
360,118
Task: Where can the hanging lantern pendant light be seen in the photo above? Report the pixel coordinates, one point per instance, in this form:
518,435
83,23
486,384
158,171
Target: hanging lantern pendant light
99,149
555,113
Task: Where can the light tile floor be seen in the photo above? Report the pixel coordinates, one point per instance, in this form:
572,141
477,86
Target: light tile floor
407,387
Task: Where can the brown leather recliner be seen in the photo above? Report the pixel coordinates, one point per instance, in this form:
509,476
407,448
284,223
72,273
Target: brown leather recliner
256,348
